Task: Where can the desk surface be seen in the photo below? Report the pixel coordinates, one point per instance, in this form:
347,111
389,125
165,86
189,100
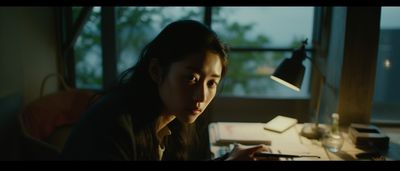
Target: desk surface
291,142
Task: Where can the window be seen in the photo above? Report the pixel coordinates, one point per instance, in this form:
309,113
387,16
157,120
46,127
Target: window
259,38
136,26
88,52
386,101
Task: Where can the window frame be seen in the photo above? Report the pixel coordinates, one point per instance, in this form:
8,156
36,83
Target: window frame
109,57
221,109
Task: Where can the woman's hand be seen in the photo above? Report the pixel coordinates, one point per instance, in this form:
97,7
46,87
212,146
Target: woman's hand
242,152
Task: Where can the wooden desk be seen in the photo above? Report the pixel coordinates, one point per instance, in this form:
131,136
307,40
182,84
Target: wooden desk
290,142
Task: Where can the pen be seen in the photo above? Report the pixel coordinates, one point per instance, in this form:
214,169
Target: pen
268,154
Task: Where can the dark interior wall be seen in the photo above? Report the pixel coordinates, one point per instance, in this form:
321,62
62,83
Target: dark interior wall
27,54
27,50
350,64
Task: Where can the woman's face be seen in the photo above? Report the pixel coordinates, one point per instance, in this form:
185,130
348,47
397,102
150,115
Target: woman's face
190,85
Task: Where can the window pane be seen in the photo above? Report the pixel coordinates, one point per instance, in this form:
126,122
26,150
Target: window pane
88,60
137,26
386,102
249,75
270,27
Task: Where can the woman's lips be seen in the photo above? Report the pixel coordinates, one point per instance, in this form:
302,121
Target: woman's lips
195,110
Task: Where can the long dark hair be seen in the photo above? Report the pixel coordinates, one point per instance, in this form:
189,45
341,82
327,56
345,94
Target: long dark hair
174,43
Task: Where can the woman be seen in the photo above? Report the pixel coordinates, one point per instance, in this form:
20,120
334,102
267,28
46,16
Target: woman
150,114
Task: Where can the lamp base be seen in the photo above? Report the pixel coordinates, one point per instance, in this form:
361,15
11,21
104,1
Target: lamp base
311,131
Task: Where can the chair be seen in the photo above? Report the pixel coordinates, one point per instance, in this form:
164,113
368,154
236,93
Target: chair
50,118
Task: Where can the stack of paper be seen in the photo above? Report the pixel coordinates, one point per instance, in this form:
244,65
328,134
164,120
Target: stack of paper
243,133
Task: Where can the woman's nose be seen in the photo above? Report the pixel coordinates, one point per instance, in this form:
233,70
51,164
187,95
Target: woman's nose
200,93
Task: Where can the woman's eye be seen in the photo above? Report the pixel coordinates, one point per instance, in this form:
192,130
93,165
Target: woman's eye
192,78
212,84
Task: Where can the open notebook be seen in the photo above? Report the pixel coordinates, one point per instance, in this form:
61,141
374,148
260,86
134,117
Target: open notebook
243,133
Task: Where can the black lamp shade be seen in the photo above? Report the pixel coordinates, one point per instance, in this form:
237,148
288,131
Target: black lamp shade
290,73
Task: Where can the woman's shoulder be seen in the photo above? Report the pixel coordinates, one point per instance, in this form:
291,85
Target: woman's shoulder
107,111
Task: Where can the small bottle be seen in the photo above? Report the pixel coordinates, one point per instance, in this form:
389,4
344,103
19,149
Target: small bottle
333,139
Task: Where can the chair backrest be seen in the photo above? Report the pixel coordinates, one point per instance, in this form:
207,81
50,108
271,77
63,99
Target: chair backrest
42,118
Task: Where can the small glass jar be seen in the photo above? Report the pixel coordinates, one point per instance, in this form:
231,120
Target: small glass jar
333,139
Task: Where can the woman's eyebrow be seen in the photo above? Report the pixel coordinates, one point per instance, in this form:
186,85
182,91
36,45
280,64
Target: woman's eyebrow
193,69
216,75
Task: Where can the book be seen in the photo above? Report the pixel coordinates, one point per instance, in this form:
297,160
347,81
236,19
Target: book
280,123
240,132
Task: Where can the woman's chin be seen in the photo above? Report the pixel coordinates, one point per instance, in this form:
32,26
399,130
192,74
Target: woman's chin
189,119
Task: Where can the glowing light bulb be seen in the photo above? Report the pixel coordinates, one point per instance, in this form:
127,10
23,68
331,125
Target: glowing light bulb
386,63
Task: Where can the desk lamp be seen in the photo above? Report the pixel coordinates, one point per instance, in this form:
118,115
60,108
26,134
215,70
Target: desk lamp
291,73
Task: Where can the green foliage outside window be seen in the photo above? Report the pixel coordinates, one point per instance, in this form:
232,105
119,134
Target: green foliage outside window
136,26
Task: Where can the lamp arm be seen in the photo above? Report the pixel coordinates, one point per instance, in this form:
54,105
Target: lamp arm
323,78
322,82
314,64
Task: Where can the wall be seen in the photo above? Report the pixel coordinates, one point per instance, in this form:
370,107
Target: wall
350,69
27,50
359,64
27,54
